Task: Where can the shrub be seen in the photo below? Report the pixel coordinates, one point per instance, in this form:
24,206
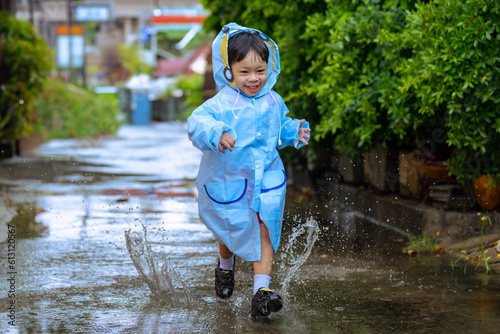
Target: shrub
24,61
354,77
192,90
131,60
454,71
391,71
67,111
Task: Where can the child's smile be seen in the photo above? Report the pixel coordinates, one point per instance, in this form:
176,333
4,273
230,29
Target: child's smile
250,74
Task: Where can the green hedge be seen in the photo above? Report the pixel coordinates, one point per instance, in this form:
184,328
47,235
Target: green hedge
413,75
455,71
24,61
354,74
67,111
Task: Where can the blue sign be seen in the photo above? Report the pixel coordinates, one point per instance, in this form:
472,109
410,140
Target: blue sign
92,14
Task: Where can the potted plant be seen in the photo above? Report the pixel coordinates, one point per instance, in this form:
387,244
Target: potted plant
487,192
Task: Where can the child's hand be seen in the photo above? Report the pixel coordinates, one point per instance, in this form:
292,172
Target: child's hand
303,133
227,141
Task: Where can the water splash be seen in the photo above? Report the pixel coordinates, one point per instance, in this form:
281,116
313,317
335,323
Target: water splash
166,285
156,269
297,249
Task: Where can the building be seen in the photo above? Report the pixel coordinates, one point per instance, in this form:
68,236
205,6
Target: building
106,24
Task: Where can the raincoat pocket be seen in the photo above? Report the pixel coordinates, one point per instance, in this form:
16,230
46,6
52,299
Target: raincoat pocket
229,203
272,196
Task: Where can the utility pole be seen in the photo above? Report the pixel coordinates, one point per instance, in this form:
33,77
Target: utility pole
30,4
70,44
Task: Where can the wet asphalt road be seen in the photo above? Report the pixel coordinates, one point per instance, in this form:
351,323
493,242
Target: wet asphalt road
77,277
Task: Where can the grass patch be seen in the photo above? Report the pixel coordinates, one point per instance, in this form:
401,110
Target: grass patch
422,244
477,255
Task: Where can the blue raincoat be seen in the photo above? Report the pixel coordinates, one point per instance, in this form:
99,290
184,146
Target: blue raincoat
233,186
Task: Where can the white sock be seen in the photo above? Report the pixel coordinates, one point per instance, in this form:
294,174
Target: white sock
260,281
226,264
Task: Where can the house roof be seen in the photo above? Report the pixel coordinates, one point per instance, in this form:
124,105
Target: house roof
182,65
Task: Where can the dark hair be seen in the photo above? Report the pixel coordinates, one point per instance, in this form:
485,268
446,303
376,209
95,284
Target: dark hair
240,44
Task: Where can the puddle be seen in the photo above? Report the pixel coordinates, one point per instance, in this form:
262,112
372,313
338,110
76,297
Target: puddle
345,274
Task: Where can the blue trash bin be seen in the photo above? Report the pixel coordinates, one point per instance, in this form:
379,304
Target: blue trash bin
141,108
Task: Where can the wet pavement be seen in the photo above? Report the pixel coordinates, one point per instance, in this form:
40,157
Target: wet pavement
78,276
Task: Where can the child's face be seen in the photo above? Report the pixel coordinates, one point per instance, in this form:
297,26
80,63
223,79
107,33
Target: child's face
250,74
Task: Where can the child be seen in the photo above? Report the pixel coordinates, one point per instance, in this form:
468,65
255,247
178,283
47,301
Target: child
241,181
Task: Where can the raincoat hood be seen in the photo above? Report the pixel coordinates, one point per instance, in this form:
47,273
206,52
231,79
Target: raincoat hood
222,72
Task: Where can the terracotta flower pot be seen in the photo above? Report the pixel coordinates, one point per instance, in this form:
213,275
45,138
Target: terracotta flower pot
436,173
487,198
